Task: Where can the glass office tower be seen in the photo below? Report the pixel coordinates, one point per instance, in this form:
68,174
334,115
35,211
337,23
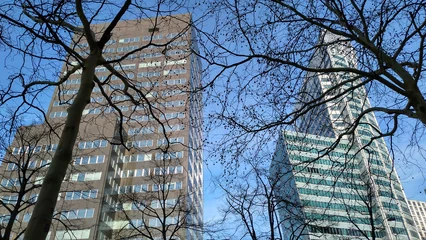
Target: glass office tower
338,181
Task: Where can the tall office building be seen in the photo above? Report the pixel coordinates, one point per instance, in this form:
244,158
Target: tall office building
334,185
418,211
150,187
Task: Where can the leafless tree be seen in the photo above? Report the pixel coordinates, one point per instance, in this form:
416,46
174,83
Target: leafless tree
262,52
163,210
46,34
24,161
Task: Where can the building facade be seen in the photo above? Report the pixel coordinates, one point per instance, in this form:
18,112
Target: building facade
137,171
418,211
337,178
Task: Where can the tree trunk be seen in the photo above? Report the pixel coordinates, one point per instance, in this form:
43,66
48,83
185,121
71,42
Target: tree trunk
39,224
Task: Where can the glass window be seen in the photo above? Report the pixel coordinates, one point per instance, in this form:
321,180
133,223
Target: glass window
92,160
81,213
68,196
71,215
80,177
89,213
94,193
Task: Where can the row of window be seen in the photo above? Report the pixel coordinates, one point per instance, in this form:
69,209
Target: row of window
330,194
335,206
327,172
92,144
136,158
141,130
118,98
72,234
134,173
336,218
168,156
89,160
77,195
342,231
9,199
31,165
70,101
319,151
10,182
140,143
331,183
168,170
140,188
305,159
58,114
35,149
78,214
88,176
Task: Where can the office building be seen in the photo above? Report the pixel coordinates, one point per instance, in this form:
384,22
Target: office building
337,181
418,211
137,171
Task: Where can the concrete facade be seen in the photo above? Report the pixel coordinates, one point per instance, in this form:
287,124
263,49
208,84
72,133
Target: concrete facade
137,171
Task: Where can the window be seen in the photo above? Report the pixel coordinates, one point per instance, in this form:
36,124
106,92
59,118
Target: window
141,143
174,72
155,222
11,166
127,48
128,40
12,182
172,128
133,189
78,214
168,170
150,55
27,217
175,52
81,177
44,163
169,116
149,64
9,199
168,63
153,37
60,103
147,84
168,93
136,158
58,114
76,195
148,74
73,234
94,144
174,82
108,50
142,130
96,99
125,67
163,141
136,223
172,35
177,103
167,156
89,160
100,69
167,187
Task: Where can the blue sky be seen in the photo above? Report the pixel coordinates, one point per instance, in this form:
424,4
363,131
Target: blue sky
412,172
